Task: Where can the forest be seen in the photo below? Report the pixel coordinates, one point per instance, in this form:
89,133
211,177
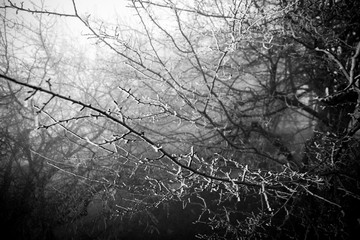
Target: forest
180,119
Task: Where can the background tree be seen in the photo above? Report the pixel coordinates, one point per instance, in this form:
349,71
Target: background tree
38,148
215,112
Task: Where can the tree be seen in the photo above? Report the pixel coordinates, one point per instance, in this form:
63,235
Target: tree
34,152
218,109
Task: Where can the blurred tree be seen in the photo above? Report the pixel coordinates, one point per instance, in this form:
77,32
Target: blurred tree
247,110
34,152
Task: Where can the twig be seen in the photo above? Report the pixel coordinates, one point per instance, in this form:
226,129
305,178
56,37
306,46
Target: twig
321,198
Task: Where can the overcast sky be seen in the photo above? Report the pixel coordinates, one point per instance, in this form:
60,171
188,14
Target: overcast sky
111,11
108,11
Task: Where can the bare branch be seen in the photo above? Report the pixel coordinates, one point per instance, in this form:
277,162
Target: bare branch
353,65
341,66
35,11
139,134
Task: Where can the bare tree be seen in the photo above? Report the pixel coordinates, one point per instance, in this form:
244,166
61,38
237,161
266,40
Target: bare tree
217,106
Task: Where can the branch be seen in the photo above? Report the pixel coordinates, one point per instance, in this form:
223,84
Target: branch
194,11
321,198
32,11
296,103
349,75
139,134
353,65
332,57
